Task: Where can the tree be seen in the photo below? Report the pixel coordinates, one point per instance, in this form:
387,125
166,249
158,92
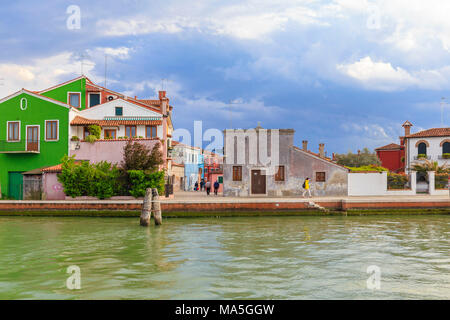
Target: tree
364,158
137,156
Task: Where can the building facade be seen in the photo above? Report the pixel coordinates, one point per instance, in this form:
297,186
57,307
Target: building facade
192,159
246,174
392,157
38,128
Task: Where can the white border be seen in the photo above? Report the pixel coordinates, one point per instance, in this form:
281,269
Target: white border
39,135
68,99
57,131
7,127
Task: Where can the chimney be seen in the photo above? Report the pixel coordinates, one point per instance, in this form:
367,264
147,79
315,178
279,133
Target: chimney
321,150
407,125
305,145
333,157
359,152
135,97
162,95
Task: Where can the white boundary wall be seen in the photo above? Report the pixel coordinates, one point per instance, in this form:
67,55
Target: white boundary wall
375,184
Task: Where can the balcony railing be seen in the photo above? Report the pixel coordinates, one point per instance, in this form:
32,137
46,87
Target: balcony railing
442,157
21,146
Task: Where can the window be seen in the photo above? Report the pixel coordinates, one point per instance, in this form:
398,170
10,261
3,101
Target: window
111,133
150,131
422,148
14,131
237,173
130,131
51,130
119,111
446,148
279,175
86,132
320,176
74,99
94,99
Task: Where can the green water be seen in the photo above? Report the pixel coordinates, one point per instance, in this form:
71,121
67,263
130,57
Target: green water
229,258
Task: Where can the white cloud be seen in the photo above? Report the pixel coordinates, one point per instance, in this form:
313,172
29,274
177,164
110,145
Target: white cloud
378,75
40,73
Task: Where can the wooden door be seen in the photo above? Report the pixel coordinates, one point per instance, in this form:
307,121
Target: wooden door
258,182
33,138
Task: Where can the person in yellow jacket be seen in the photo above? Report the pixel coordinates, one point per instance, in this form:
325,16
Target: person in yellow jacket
306,187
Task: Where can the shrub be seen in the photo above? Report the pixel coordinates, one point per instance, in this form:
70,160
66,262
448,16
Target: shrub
397,181
367,168
364,158
446,155
83,179
137,156
441,180
421,156
95,130
75,138
140,180
90,138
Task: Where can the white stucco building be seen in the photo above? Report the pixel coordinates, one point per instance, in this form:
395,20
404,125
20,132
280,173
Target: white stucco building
431,144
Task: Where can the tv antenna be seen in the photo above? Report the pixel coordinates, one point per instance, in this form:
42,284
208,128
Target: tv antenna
443,103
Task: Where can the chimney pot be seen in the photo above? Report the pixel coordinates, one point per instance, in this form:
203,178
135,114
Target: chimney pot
322,150
305,145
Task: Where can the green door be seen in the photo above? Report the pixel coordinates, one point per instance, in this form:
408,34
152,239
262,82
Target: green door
15,189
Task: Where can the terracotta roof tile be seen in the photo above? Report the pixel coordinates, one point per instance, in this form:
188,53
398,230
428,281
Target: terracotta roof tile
56,168
433,132
391,146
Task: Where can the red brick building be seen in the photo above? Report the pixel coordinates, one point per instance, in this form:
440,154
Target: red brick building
391,157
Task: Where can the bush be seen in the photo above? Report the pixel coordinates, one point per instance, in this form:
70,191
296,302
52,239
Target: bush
140,180
75,138
90,138
421,156
364,158
95,130
83,179
446,155
367,168
441,180
397,181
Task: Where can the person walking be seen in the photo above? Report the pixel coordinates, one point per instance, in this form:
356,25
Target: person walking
202,185
306,187
208,187
216,187
196,186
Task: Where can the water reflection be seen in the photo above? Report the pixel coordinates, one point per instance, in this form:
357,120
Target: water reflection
232,258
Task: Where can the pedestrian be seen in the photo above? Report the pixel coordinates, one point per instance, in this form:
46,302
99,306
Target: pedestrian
202,185
306,187
208,187
216,187
196,186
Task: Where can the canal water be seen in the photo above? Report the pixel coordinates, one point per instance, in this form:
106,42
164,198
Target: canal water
228,258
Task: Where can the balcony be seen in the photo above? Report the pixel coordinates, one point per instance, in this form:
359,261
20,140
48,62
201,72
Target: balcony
442,157
21,146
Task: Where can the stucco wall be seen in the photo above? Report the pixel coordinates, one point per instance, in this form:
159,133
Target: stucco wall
433,151
298,165
367,184
52,188
106,150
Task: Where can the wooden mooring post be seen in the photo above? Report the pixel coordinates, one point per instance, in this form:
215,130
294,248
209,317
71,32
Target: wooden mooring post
146,208
156,207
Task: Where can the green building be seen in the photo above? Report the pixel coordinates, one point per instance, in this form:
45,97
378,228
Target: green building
34,133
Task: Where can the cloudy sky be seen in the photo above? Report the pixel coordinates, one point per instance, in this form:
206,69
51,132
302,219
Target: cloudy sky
344,72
